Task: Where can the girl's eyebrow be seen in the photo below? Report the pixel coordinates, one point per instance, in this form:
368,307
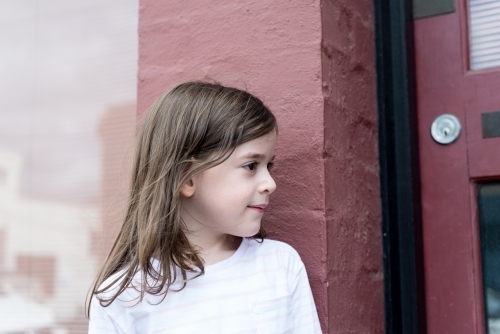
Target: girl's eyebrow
256,156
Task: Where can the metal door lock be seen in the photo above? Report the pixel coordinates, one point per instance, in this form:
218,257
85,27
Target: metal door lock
446,129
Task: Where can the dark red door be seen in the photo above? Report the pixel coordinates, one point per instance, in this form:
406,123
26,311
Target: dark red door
451,173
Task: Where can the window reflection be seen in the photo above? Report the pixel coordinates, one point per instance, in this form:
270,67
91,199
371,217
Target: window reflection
67,120
489,224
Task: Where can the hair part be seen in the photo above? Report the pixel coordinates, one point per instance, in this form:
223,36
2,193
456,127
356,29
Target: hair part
191,128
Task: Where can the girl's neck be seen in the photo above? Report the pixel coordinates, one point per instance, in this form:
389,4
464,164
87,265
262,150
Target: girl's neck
215,248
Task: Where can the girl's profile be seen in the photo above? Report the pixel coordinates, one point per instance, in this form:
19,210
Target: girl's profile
190,256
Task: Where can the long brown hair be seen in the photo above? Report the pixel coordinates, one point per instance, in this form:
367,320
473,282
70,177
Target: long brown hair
193,127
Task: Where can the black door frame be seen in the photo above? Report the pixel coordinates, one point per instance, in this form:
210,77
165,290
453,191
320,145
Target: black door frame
399,168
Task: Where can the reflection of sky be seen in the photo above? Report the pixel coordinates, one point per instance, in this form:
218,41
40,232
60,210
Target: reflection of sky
62,63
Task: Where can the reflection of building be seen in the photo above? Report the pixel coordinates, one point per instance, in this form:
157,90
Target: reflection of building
50,252
67,63
116,130
10,170
45,252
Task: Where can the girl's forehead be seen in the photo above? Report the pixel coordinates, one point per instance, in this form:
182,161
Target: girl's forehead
257,148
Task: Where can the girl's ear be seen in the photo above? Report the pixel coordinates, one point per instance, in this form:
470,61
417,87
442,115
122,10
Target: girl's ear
187,190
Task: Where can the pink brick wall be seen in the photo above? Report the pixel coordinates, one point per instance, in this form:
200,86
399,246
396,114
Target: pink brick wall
327,202
353,209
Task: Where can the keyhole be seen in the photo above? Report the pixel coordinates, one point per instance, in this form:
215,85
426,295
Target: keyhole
446,131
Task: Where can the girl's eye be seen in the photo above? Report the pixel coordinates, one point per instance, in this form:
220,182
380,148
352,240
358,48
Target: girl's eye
251,166
270,165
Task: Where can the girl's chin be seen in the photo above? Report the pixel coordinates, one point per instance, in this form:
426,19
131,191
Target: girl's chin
253,232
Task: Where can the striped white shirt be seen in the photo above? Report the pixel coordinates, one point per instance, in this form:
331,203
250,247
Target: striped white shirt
261,288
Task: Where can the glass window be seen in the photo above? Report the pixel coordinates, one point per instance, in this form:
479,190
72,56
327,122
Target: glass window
484,33
67,119
489,224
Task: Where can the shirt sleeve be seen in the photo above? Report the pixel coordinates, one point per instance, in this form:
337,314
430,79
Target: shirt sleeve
100,321
305,316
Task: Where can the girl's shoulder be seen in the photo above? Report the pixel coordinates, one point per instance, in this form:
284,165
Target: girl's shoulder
113,287
113,282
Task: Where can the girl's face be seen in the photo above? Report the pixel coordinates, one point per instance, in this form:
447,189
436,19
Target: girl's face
231,198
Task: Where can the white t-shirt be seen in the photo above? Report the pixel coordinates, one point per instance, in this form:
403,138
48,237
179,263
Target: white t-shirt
261,288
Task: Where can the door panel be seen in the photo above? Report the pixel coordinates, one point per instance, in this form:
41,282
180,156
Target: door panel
449,173
482,94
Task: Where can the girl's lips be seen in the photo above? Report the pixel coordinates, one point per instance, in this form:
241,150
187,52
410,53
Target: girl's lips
259,208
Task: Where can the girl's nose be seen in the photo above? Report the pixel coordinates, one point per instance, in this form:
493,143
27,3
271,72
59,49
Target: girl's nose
268,184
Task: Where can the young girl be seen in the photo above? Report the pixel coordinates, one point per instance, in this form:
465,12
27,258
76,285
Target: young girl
190,256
